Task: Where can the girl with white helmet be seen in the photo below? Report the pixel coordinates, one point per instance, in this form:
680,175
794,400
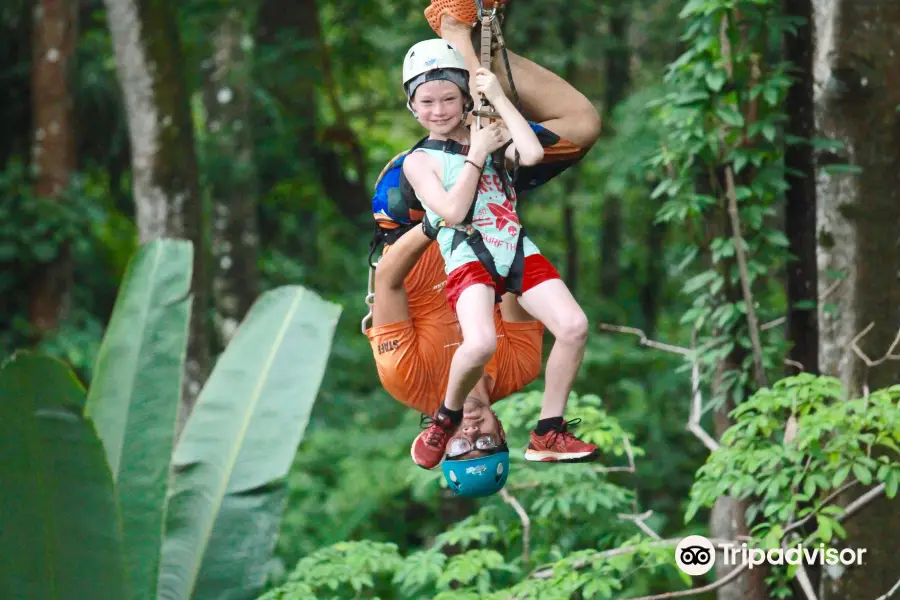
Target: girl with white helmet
466,195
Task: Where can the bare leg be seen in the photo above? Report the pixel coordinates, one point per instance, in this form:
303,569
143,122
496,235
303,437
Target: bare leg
552,303
546,98
391,304
475,312
512,311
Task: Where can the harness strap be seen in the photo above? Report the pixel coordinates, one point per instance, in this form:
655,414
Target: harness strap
448,146
476,243
516,273
513,280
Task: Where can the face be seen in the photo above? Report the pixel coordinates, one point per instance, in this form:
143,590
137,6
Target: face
478,420
438,106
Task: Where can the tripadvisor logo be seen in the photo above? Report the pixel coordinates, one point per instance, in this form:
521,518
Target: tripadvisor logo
696,555
793,555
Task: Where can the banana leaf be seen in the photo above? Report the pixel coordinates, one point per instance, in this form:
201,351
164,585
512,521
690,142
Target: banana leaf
135,393
60,536
238,445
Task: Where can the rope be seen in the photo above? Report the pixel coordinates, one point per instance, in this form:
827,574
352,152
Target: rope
490,27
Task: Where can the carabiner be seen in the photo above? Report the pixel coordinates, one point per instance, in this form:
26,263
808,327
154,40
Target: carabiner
370,299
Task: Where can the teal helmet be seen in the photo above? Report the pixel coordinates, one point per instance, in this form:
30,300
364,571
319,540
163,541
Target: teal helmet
477,477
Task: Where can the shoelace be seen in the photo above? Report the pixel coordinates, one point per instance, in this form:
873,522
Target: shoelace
562,430
435,430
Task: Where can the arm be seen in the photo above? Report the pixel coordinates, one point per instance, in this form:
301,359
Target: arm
395,265
531,152
452,206
391,304
523,137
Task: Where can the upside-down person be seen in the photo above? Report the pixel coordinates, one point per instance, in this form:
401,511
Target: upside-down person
415,333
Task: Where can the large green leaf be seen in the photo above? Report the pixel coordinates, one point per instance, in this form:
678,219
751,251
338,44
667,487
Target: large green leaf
238,446
135,393
60,536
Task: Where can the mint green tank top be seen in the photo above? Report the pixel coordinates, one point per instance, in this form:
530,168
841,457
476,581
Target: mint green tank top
494,216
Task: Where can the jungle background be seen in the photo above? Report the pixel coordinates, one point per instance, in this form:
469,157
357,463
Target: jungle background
733,238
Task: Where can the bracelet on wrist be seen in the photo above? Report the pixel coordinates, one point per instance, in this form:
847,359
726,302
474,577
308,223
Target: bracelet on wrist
479,167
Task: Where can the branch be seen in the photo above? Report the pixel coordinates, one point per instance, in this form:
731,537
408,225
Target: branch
697,410
802,576
631,468
773,323
644,341
889,355
753,324
526,522
700,590
805,583
858,504
890,593
639,520
794,363
697,398
796,525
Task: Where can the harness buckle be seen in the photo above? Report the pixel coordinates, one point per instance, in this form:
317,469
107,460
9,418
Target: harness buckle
464,228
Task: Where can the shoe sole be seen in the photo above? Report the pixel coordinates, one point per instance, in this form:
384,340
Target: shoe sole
412,455
562,457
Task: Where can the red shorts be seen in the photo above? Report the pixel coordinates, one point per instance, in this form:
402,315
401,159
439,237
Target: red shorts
537,270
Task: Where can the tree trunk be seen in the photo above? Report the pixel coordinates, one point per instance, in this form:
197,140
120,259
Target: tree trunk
287,55
800,217
617,82
54,33
235,237
651,291
727,519
163,159
857,70
294,65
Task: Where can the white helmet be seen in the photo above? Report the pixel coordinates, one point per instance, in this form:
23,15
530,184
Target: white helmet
429,56
432,60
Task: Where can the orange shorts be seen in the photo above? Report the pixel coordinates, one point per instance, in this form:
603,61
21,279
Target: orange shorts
413,359
537,270
413,356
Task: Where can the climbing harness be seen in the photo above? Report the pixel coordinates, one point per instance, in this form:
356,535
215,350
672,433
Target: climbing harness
397,210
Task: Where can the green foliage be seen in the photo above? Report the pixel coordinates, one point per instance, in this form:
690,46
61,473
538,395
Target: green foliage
230,463
225,501
360,521
33,231
480,556
58,498
722,117
838,443
135,393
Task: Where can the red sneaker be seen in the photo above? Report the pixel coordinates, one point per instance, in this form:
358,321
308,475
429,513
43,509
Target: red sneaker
429,446
559,445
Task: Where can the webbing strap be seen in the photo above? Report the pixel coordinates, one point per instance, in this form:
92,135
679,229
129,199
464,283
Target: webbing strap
513,280
517,270
448,146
